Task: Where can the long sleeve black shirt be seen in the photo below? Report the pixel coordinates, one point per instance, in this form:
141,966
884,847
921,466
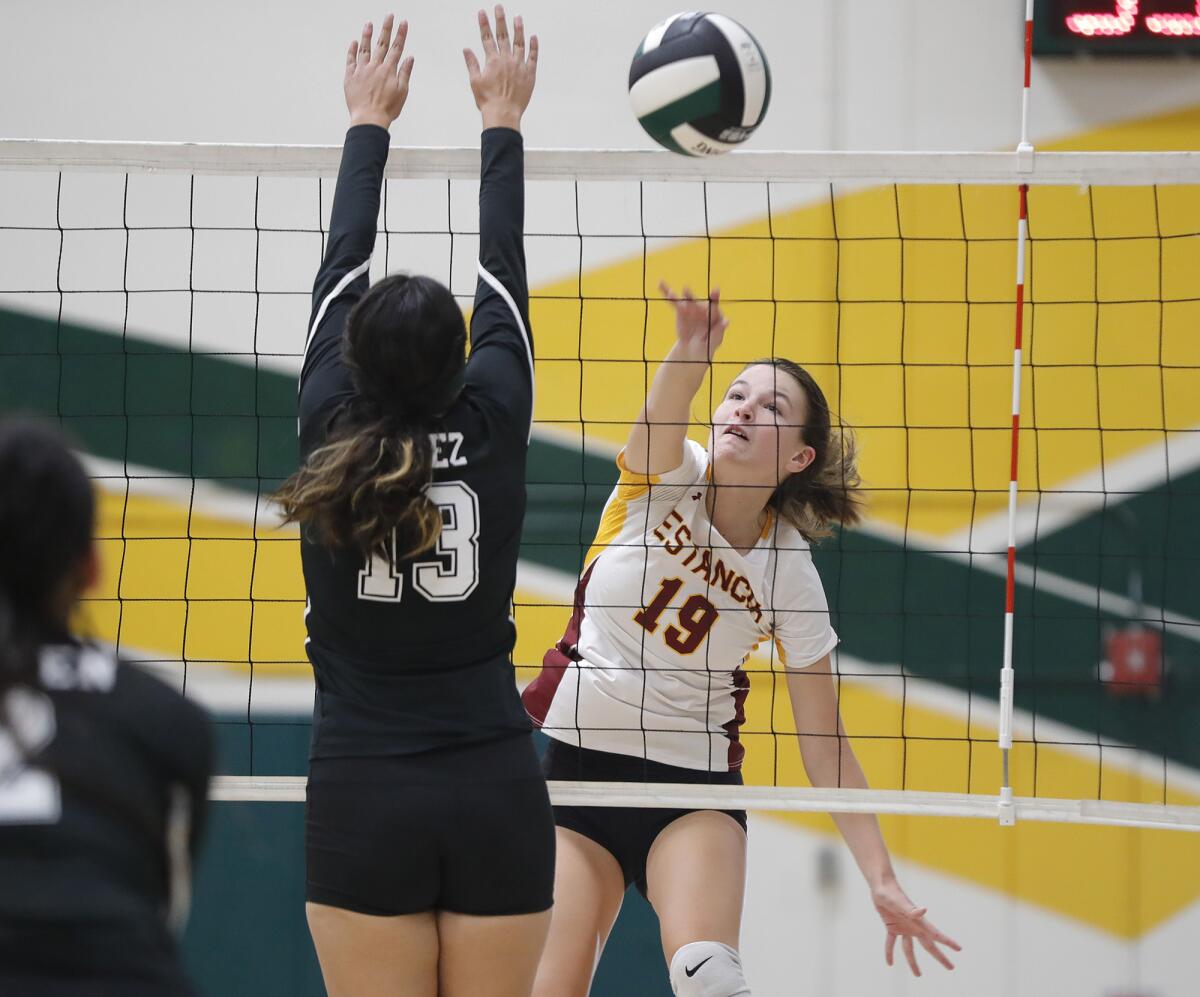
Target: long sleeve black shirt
418,655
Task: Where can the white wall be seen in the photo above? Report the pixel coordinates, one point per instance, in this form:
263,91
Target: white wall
808,932
862,74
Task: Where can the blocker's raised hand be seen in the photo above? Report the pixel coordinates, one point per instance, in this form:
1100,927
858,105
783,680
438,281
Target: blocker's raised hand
503,86
377,78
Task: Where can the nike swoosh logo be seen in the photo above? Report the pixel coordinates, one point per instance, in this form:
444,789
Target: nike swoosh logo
696,968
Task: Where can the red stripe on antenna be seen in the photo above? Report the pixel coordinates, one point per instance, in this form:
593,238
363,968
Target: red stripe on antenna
1028,51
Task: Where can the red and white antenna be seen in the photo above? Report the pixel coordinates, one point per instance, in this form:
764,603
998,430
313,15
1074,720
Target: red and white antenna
1025,154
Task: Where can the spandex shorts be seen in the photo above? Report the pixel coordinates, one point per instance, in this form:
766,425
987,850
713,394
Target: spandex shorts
467,830
625,832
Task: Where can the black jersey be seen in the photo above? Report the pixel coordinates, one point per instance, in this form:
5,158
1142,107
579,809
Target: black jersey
416,655
100,811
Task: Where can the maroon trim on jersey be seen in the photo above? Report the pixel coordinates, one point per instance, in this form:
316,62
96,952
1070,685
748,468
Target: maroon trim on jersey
741,688
539,694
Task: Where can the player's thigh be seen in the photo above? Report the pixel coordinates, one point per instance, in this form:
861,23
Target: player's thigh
696,879
588,888
363,954
497,956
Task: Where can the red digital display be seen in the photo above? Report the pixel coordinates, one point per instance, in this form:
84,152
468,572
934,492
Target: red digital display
1124,27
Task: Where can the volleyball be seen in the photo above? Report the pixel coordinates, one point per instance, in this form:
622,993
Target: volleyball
699,84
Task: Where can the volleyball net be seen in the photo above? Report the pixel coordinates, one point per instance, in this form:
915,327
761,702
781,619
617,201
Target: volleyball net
154,299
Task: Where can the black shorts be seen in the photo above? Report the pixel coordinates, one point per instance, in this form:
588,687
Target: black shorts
467,830
625,832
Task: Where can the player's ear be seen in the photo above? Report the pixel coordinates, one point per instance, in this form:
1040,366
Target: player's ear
82,576
801,459
89,569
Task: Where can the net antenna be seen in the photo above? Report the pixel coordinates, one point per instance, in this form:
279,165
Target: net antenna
1025,154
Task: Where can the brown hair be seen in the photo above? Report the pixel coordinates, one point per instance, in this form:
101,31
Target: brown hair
404,347
828,490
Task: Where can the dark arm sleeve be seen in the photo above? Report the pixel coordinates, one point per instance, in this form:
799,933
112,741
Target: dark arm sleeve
501,364
181,736
197,772
344,275
175,733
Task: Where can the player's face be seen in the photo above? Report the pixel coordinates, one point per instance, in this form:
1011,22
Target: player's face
759,424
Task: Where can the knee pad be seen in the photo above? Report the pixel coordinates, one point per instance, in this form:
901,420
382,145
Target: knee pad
708,969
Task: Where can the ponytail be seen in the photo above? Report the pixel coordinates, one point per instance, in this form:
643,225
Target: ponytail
403,347
46,516
14,658
369,479
814,499
18,667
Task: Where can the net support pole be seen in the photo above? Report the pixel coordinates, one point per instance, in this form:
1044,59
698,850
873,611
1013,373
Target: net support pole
1006,810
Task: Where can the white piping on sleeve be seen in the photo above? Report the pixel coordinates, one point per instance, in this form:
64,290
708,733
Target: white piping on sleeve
179,858
501,290
338,289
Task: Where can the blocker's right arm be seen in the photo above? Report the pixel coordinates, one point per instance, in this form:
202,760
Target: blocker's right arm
501,363
376,87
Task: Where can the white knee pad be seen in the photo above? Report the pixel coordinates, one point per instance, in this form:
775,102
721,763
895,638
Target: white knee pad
708,969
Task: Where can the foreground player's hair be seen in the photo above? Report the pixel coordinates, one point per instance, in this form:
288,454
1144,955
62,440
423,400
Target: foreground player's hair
47,511
404,346
827,491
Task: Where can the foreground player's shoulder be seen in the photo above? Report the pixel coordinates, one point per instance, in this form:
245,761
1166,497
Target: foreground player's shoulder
170,726
140,686
124,695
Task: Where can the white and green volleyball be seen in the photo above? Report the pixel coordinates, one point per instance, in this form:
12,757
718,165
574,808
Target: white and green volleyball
699,84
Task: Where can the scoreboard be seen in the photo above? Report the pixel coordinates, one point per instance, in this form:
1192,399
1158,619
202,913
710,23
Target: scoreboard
1116,27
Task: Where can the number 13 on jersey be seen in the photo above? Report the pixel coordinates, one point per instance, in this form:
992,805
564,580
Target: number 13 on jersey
452,573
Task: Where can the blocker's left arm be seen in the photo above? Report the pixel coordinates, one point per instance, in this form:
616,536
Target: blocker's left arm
829,761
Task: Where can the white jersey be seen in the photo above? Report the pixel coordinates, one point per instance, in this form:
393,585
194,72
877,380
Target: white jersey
666,614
